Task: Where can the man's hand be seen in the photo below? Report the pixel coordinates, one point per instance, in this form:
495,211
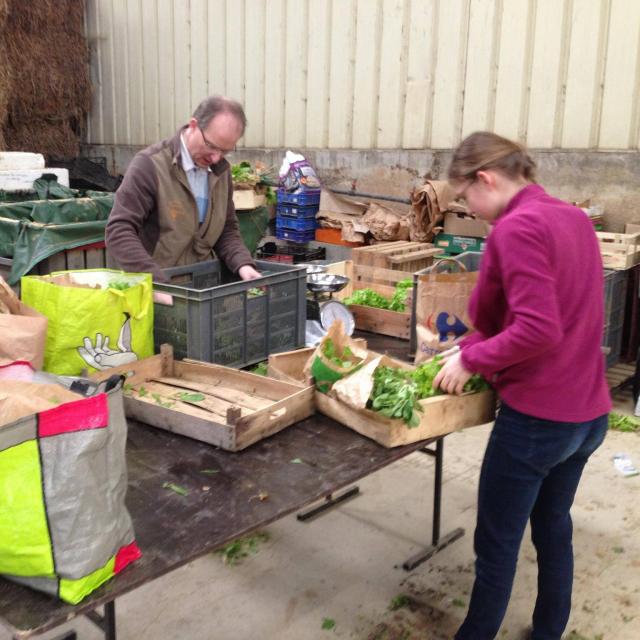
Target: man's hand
163,298
247,272
453,376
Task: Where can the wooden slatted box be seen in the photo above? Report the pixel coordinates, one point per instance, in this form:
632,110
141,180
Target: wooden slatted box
380,267
440,415
619,250
225,407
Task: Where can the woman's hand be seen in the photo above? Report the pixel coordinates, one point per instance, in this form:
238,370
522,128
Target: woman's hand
453,376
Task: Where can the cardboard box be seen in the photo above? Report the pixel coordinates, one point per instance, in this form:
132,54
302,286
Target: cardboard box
459,224
247,199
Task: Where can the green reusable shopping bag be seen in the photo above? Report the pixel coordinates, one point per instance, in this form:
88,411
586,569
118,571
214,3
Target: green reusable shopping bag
98,318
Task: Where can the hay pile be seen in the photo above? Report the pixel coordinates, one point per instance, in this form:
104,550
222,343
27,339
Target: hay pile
45,89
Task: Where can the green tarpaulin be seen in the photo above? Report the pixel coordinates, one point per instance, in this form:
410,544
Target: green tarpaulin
34,230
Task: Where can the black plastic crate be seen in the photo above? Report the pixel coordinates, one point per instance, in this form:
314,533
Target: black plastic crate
217,318
290,253
615,296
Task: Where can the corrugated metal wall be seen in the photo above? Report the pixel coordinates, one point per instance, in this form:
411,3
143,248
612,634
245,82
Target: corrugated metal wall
380,74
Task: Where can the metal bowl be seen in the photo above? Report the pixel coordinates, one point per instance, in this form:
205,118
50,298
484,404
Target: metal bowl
326,282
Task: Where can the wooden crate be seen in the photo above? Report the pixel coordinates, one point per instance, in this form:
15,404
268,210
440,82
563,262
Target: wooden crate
238,409
399,256
374,320
380,267
247,199
289,366
619,250
440,415
89,256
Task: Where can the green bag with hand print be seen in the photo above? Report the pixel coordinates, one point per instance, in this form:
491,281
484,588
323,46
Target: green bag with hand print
98,318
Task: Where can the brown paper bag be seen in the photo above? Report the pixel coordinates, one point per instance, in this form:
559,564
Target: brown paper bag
386,223
23,331
442,319
19,399
427,209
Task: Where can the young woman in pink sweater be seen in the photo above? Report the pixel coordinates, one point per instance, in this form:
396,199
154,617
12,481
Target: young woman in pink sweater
538,314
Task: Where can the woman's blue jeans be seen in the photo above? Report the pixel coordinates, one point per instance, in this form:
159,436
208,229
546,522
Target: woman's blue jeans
531,470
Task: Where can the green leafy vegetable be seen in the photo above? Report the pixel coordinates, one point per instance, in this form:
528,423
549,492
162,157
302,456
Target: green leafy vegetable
120,285
371,298
396,392
142,392
425,373
176,488
343,360
394,395
399,602
260,369
159,401
368,298
618,422
328,624
190,397
399,298
234,552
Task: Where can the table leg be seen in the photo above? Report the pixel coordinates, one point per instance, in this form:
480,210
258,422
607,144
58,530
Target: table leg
437,543
107,621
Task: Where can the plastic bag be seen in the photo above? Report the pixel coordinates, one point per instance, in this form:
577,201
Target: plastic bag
64,526
297,175
98,318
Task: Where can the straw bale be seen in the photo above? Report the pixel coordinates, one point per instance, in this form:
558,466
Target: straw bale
45,90
40,15
51,138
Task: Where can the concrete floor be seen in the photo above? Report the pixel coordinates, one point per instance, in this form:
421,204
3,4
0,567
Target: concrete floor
344,566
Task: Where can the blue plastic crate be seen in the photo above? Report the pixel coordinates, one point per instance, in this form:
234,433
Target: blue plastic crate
295,236
298,224
304,198
297,211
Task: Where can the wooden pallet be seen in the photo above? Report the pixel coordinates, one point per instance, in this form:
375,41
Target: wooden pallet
619,250
401,255
218,405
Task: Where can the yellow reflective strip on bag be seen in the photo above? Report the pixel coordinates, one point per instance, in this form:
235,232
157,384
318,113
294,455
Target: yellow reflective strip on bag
73,591
25,545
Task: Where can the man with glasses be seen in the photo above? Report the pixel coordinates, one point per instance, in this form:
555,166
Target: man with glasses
175,204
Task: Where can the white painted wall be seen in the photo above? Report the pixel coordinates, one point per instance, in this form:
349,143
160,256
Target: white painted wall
381,74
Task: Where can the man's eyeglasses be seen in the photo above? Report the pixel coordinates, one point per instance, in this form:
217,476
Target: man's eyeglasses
212,147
